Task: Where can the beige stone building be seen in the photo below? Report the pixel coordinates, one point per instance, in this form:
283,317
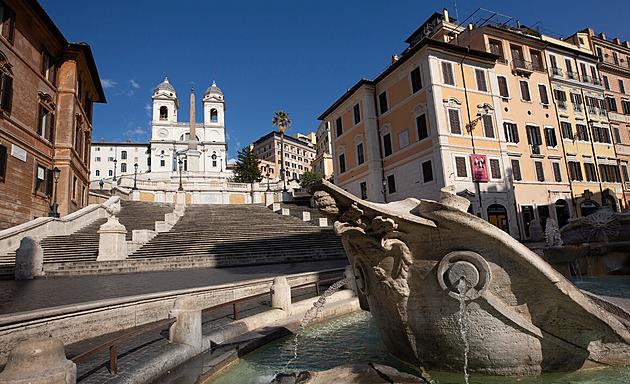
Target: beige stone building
299,154
48,86
323,162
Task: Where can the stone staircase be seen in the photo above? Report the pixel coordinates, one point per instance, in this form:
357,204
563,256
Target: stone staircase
303,204
82,245
242,234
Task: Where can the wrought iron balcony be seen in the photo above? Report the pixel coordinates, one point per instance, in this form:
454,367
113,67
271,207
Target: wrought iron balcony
591,80
555,71
520,65
572,75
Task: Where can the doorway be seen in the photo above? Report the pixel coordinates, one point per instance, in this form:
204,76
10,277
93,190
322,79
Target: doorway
497,216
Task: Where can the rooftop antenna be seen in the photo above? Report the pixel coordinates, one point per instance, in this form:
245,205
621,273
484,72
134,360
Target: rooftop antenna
456,12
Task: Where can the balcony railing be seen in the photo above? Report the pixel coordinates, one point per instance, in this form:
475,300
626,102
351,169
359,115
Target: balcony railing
555,71
572,75
592,109
577,107
562,104
522,65
591,80
535,149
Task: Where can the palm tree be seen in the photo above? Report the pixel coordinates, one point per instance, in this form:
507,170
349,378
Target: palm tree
282,121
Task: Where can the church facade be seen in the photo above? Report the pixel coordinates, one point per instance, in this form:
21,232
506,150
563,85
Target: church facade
199,148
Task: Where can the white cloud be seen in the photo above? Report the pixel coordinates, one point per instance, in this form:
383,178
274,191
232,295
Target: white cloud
231,160
134,84
137,134
148,109
108,83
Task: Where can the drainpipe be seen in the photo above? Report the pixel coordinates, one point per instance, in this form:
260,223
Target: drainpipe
380,148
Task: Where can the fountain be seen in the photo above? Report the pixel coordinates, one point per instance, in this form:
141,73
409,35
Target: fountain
593,245
523,317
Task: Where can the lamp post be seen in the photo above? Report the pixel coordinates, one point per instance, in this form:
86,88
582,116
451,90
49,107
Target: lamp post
180,162
135,176
115,161
56,172
268,179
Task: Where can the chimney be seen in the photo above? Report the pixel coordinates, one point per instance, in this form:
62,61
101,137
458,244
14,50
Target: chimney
626,44
445,14
471,26
602,36
617,41
518,24
394,58
102,139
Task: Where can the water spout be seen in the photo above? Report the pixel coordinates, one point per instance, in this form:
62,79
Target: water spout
462,287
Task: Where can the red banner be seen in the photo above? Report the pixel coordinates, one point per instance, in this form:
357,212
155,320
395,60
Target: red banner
479,167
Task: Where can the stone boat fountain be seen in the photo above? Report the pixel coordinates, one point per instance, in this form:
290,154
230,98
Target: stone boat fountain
524,317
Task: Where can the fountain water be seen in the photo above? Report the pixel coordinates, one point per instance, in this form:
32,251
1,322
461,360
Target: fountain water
462,287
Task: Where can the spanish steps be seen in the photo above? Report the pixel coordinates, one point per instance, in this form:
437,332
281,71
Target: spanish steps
229,235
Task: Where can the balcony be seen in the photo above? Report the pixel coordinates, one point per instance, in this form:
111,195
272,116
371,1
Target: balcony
535,149
592,110
591,80
562,104
577,107
572,76
556,72
522,66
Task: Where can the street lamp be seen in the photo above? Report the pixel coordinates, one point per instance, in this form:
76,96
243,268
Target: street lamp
180,162
56,172
135,176
268,178
115,161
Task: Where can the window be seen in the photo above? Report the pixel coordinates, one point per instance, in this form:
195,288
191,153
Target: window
162,164
7,93
557,175
517,53
427,171
591,173
496,48
48,66
511,132
537,62
382,102
360,155
612,104
575,171
495,169
423,130
357,114
616,57
97,172
533,135
576,100
391,184
569,65
3,163
488,127
481,80
45,123
123,155
625,105
600,54
516,170
447,73
540,174
544,96
454,122
342,163
7,16
624,172
561,98
403,139
363,187
584,72
214,115
387,144
416,80
606,83
554,65
97,159
567,132
163,113
617,135
77,138
503,87
41,176
582,132
460,166
622,89
525,96
339,126
550,137
123,167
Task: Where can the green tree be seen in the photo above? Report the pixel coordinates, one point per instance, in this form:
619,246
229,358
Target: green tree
282,121
309,178
247,167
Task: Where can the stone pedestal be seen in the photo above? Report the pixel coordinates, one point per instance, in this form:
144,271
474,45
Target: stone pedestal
285,212
281,294
39,361
187,328
192,157
180,209
29,259
135,195
112,244
305,216
180,198
320,222
269,198
275,207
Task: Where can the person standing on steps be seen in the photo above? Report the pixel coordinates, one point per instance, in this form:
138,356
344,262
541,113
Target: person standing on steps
100,184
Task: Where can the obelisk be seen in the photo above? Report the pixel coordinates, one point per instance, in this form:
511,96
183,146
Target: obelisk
192,154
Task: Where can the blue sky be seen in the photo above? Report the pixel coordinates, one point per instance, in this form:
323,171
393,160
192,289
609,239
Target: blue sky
293,55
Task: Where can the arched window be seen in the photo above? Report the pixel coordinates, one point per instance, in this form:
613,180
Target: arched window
163,113
186,137
123,155
214,115
98,173
111,172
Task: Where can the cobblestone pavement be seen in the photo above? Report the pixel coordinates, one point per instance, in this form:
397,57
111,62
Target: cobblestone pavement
19,296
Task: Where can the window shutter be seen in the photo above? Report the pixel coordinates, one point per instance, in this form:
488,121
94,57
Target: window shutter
460,165
540,176
495,169
456,127
516,170
7,93
529,134
617,135
40,116
447,72
3,162
481,80
49,182
537,136
503,88
556,172
50,130
487,126
421,122
542,90
525,91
